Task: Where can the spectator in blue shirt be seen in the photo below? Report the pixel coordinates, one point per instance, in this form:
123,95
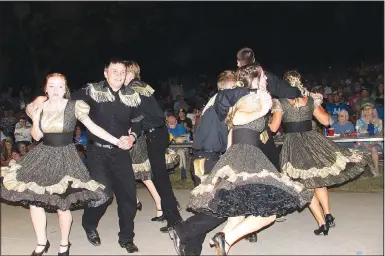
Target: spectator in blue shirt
174,128
177,130
80,136
336,107
343,126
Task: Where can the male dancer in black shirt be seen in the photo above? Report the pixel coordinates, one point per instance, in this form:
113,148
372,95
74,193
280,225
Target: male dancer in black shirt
157,138
115,108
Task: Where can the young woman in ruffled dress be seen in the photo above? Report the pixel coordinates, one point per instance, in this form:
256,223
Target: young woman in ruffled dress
52,176
309,157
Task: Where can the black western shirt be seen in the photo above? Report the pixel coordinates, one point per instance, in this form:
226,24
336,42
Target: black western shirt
115,112
152,112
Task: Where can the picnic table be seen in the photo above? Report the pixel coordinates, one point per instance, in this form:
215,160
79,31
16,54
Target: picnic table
337,139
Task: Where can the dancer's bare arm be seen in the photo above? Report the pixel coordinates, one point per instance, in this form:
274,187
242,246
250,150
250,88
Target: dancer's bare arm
321,115
277,116
34,112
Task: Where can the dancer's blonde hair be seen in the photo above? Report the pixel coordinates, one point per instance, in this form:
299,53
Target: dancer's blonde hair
294,79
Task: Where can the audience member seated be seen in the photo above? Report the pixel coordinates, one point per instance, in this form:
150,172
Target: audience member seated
364,99
80,137
178,130
6,155
379,92
22,148
335,105
23,131
185,121
343,125
15,155
191,114
7,123
369,116
82,153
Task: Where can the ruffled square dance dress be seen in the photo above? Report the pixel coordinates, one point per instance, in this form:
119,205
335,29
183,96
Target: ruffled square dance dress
52,175
308,156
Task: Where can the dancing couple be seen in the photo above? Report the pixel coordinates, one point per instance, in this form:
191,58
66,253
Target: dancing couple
52,176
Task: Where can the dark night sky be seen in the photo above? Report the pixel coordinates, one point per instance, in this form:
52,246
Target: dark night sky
168,38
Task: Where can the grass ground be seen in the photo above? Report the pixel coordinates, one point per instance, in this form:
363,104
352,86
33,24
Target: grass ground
362,184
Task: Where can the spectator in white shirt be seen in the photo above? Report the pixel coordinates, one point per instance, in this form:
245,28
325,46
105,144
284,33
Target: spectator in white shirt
23,131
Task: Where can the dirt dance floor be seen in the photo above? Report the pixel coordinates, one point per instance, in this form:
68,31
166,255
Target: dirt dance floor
358,231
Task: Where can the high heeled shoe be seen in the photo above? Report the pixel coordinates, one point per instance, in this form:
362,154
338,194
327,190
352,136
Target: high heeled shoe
66,253
322,229
330,220
45,250
139,206
160,218
220,243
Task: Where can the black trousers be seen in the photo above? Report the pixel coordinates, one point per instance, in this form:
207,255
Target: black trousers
113,169
157,143
192,231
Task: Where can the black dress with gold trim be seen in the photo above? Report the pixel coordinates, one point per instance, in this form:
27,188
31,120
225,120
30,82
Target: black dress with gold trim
308,156
52,175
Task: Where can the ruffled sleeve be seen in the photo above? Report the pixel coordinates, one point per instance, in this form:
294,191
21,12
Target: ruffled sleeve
82,110
29,114
259,101
277,107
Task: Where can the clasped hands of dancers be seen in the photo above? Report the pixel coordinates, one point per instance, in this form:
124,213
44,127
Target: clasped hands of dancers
52,175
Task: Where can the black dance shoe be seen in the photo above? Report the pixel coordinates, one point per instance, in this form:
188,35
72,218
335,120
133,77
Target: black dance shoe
139,206
168,226
66,253
324,229
330,220
161,218
45,250
93,238
130,247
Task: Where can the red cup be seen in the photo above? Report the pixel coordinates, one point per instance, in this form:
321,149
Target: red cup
331,131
